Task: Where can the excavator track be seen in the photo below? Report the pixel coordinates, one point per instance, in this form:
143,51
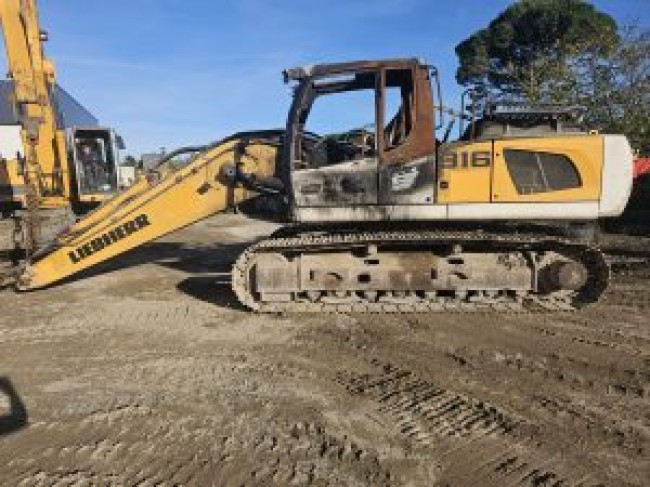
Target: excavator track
547,251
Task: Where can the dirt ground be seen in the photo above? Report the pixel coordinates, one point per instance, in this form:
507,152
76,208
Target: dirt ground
149,373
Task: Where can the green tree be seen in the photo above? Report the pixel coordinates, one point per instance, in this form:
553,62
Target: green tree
615,89
565,51
525,49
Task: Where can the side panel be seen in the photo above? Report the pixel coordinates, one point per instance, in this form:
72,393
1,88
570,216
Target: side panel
523,211
351,182
411,183
480,212
618,173
372,213
464,174
584,152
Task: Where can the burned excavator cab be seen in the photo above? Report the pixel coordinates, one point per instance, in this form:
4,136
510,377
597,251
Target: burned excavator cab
385,157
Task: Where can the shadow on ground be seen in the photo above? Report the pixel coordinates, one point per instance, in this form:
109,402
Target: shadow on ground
628,260
211,289
175,255
204,260
632,229
16,418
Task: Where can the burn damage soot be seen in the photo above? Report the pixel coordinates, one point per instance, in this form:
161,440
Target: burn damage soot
109,238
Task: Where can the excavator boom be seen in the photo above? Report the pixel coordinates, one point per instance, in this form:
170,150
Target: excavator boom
33,77
40,173
156,206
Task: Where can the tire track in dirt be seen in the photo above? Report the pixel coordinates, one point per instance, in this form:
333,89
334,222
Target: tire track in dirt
587,395
626,436
599,402
606,339
572,371
476,443
138,445
634,296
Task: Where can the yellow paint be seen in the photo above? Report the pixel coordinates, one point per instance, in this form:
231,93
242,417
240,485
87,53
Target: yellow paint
585,151
469,180
469,183
44,144
34,76
180,198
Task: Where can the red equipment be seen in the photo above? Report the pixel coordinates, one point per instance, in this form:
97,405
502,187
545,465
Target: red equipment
641,166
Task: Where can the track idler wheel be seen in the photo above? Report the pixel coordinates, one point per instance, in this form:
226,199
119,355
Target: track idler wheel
570,276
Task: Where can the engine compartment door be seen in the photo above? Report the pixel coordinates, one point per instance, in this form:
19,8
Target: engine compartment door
555,169
465,173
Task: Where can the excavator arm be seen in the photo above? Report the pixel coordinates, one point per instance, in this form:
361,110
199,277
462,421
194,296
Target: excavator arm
33,76
225,174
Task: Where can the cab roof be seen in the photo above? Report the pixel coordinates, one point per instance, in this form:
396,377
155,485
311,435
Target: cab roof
319,70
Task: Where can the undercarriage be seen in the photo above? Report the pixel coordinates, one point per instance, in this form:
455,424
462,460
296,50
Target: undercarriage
418,271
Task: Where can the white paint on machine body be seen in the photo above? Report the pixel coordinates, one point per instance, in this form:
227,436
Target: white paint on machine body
618,173
11,143
587,210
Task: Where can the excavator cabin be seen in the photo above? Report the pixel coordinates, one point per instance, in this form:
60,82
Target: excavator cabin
94,154
385,158
388,165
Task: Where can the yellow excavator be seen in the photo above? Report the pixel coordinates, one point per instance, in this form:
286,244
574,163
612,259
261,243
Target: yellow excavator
56,162
381,216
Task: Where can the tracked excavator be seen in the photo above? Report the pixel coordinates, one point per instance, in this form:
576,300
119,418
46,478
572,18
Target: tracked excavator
383,217
56,162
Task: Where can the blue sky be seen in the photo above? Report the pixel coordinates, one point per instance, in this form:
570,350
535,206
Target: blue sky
176,72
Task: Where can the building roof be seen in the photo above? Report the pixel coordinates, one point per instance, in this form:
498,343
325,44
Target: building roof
69,111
